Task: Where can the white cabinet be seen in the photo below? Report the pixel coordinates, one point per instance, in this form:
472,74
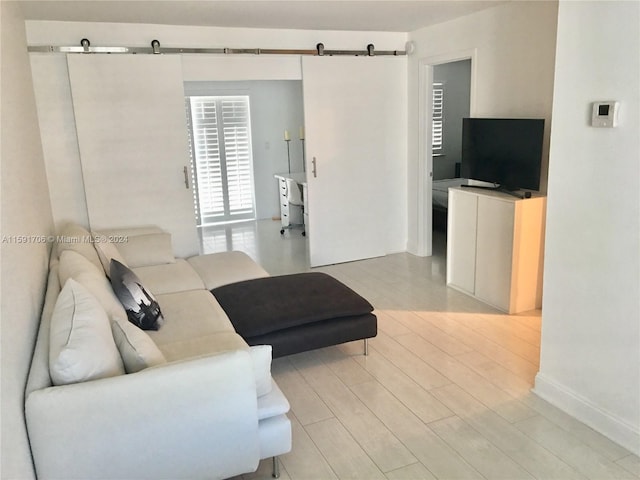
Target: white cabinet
305,200
495,247
284,202
291,215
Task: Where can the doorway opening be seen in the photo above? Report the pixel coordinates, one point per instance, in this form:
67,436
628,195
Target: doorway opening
221,158
454,73
451,103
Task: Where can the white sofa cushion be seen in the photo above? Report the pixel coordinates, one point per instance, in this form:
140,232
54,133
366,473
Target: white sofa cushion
107,250
169,277
136,348
203,345
217,269
76,266
224,341
273,404
147,249
188,315
81,346
78,239
261,357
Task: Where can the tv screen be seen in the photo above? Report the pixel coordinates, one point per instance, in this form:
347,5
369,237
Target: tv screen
503,151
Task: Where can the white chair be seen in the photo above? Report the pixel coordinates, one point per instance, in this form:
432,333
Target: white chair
294,198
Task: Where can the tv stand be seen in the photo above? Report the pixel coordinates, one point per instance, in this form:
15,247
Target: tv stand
495,246
499,188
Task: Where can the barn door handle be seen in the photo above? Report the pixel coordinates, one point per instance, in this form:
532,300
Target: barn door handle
186,177
314,170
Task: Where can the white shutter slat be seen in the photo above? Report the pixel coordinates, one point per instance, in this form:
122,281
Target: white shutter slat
207,156
438,116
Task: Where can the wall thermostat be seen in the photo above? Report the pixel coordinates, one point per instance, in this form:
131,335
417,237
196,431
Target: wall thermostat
604,114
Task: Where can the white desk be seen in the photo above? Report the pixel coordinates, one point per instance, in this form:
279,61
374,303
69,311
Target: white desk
292,216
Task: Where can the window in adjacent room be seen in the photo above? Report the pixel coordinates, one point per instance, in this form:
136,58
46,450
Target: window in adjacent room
221,158
438,118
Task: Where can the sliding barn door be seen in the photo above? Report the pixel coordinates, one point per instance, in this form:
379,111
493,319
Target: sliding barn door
352,106
132,135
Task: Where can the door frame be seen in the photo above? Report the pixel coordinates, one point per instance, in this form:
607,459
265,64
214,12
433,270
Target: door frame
425,156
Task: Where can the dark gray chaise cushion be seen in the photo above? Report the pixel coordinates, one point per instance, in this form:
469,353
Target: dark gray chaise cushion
265,305
296,313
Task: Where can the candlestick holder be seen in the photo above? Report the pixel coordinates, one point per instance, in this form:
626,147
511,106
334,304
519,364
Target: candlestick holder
304,159
288,141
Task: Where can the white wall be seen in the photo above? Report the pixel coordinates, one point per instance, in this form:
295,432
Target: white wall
512,76
25,212
54,99
590,355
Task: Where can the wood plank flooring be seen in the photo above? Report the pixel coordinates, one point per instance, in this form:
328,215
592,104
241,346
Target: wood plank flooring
443,394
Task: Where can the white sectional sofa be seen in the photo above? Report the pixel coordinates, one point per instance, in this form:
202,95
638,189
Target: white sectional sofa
190,400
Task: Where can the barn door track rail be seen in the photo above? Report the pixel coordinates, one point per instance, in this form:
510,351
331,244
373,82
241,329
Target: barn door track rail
156,49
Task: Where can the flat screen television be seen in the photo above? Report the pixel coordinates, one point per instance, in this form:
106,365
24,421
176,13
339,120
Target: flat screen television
504,151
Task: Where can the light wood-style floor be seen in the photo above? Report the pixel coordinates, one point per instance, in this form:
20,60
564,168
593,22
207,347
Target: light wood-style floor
444,392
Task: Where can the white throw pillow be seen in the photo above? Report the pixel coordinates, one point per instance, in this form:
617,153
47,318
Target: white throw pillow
81,346
106,251
136,348
75,266
148,249
261,357
78,239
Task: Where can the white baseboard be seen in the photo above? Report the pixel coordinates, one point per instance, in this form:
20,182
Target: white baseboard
587,412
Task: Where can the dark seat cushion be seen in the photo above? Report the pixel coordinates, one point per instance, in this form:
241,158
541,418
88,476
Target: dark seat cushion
265,305
318,334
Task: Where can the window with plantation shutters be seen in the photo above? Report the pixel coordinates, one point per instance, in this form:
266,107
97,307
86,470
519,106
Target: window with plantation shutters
220,135
438,117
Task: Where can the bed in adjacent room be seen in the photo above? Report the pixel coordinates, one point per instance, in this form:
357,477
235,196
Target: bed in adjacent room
440,194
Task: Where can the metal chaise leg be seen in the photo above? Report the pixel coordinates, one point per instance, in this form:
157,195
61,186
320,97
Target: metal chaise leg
276,468
366,346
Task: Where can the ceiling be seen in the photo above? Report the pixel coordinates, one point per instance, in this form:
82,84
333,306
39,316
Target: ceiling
359,15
